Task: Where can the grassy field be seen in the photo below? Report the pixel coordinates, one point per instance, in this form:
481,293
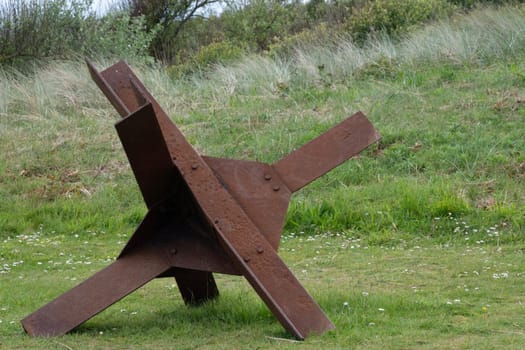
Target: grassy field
426,296
417,243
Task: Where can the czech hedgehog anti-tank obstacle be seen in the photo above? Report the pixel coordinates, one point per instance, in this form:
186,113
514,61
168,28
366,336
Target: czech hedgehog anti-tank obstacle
205,215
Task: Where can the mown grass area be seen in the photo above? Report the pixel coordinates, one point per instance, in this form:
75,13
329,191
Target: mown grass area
426,296
417,243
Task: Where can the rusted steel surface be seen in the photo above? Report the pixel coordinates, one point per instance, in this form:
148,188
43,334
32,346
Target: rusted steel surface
258,190
148,156
205,215
98,292
327,151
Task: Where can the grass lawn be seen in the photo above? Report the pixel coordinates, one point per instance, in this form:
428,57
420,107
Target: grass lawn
419,296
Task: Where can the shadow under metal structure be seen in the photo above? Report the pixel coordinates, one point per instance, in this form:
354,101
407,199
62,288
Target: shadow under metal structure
205,215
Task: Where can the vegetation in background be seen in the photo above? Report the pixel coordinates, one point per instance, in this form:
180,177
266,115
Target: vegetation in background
222,52
36,30
176,32
395,17
167,18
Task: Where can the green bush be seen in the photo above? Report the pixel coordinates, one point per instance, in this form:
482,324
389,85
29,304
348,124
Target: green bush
259,23
36,29
471,3
332,12
33,30
464,3
205,57
117,34
174,46
318,35
394,17
219,52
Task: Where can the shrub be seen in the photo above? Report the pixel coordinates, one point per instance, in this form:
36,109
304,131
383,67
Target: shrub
41,28
172,47
321,35
471,3
219,52
32,30
117,34
205,57
394,17
259,23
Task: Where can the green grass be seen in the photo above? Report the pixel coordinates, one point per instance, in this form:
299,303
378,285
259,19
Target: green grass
417,243
425,296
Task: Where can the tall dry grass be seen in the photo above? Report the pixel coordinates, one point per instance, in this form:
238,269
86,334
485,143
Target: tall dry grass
481,37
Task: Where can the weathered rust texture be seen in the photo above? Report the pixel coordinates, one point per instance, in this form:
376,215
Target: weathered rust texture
205,215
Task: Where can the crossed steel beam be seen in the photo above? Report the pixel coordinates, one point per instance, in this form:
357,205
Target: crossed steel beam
204,215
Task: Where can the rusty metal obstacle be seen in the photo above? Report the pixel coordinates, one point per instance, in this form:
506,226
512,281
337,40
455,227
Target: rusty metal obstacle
205,215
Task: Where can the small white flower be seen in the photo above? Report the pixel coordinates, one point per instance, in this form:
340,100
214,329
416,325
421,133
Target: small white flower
500,275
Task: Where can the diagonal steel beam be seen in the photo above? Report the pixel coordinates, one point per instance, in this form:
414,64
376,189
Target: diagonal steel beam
98,292
327,151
